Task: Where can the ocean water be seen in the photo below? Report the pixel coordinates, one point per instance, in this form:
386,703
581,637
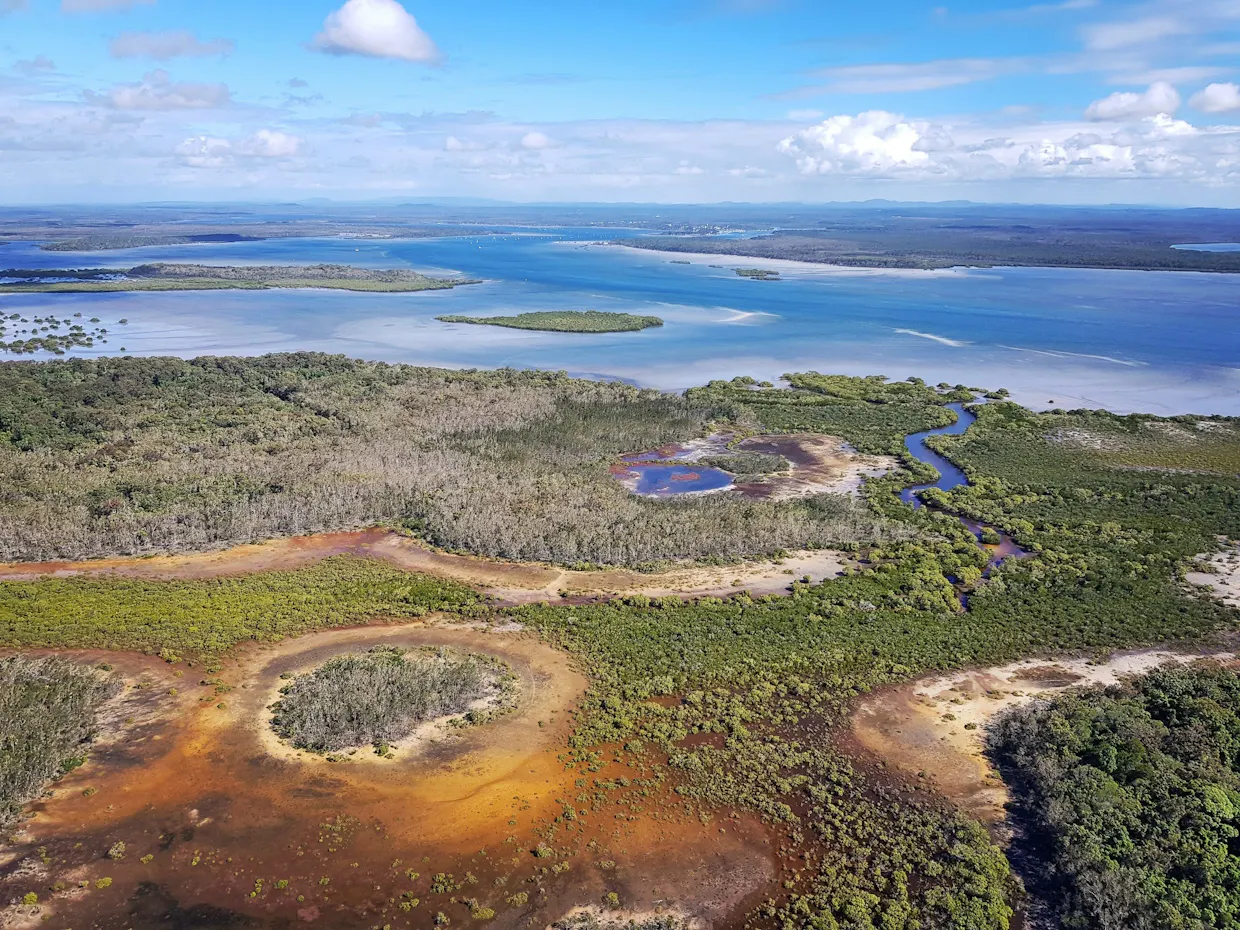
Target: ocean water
1162,342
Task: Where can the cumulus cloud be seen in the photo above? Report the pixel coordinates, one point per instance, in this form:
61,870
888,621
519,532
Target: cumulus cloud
101,6
205,152
878,144
1160,97
270,143
163,46
40,64
157,91
872,142
215,152
377,29
535,140
1217,98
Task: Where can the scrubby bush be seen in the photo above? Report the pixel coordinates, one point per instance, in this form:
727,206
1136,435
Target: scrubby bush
47,720
377,697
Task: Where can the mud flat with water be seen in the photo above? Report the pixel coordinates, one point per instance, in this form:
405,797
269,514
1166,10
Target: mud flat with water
222,826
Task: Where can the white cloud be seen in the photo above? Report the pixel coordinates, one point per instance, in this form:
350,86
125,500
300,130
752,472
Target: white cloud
1217,98
157,91
1161,97
270,143
100,6
205,152
805,116
872,142
215,152
40,64
1115,35
378,29
163,46
883,145
535,140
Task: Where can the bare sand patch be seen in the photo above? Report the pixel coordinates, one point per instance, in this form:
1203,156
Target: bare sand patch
784,265
820,465
1222,575
758,578
935,728
1080,438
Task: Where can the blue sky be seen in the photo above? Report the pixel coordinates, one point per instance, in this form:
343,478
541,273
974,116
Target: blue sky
677,100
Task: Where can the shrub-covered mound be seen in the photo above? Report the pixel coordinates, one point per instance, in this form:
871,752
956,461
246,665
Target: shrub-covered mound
47,718
564,321
380,696
1131,795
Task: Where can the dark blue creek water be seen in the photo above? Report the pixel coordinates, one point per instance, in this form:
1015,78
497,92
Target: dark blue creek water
952,477
949,475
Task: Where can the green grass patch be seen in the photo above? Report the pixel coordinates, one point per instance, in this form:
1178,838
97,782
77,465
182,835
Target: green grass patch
210,617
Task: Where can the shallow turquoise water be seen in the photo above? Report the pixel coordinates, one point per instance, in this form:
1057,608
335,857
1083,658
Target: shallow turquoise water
1159,341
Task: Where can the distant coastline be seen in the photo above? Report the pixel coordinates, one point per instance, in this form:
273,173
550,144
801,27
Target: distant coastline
184,277
940,250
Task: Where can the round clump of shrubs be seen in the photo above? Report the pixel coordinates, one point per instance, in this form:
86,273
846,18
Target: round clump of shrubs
380,696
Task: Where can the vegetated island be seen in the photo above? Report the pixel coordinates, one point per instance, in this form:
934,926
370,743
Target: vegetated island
180,277
564,321
758,274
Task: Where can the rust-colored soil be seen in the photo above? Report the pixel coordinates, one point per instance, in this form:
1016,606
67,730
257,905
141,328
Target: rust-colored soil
212,820
507,582
921,728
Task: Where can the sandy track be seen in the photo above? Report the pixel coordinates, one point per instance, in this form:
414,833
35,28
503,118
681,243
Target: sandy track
507,582
1223,578
919,728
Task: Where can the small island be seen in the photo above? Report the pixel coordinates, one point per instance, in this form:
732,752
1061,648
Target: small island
184,277
758,274
564,321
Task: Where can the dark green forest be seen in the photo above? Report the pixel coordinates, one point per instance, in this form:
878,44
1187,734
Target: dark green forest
1129,797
